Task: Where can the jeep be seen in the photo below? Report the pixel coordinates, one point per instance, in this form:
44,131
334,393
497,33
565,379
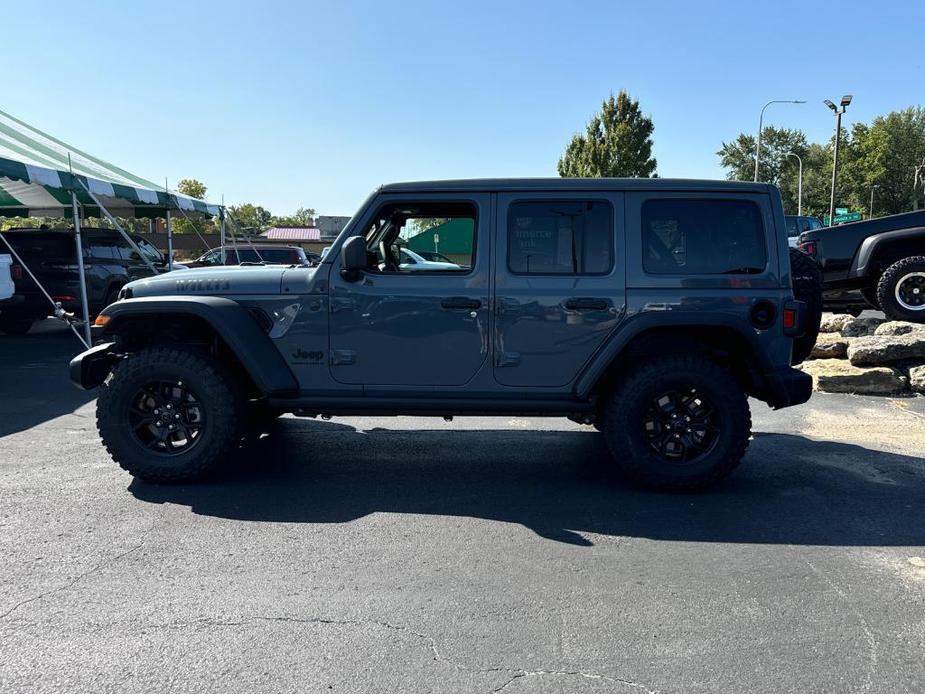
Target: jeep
647,308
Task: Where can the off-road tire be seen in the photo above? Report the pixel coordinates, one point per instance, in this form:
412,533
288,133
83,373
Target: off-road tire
203,375
15,326
807,287
624,418
887,288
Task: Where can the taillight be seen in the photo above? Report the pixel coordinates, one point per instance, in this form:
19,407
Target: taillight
16,272
792,318
63,297
808,247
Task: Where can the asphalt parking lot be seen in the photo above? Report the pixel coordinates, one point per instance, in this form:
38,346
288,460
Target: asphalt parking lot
482,555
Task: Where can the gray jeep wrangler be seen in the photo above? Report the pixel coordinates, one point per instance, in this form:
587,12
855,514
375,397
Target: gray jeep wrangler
649,309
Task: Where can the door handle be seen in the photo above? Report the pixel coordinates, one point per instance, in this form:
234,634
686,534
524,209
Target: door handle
461,302
586,304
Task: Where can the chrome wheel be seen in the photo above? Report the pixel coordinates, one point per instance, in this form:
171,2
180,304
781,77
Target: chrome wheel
910,291
166,417
681,426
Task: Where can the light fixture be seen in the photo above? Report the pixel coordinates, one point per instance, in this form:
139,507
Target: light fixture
845,100
830,105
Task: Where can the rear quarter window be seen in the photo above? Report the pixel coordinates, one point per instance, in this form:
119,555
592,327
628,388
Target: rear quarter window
703,237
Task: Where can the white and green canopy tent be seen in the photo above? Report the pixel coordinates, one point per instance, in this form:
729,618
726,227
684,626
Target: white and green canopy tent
41,176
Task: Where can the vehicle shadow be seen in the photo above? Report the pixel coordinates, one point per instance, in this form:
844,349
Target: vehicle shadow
789,490
35,386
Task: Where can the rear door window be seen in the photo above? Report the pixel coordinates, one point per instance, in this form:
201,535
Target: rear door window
703,237
560,238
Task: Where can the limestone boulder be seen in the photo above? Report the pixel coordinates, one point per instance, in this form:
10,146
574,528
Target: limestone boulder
898,327
834,322
917,378
839,376
881,349
859,327
830,346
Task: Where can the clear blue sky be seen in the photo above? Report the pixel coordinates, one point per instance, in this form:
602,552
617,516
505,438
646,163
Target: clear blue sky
316,103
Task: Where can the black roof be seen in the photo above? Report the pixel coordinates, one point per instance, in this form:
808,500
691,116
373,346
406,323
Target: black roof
572,184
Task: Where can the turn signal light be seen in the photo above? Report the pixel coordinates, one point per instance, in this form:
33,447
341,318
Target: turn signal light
809,247
101,320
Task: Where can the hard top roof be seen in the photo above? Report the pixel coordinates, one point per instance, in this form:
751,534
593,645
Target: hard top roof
576,184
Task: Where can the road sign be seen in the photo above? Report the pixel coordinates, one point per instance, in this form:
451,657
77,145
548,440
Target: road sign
844,217
840,211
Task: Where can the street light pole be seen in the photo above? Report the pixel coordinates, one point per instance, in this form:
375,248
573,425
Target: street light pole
799,184
761,125
845,101
870,210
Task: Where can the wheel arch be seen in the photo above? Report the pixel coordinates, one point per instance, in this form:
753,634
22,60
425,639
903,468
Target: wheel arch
879,251
216,322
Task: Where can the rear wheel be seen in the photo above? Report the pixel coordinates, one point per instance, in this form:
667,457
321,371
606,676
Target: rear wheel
169,414
677,423
807,287
901,290
15,326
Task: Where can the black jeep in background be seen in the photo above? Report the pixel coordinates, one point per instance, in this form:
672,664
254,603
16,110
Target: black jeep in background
883,259
109,260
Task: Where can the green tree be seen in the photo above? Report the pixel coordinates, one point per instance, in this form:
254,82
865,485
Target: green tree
885,154
249,217
617,142
192,188
776,166
303,217
179,224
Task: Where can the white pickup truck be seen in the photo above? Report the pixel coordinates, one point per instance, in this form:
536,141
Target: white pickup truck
6,282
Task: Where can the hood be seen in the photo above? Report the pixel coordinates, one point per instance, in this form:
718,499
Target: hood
219,281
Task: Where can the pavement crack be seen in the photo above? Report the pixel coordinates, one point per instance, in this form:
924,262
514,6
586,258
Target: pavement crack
77,579
573,673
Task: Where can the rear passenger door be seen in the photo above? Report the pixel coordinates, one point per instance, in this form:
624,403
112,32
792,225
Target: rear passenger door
559,288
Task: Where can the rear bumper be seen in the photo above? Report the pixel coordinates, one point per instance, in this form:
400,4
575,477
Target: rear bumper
787,388
89,369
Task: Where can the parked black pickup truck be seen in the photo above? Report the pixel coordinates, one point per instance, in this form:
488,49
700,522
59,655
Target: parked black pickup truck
882,258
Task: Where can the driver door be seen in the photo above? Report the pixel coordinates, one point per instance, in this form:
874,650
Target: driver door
403,328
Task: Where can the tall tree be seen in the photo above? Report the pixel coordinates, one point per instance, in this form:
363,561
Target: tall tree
776,166
885,154
303,217
617,142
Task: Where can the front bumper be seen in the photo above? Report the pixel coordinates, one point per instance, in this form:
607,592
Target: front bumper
787,388
89,369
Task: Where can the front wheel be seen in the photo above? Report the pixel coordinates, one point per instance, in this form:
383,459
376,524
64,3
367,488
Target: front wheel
677,423
901,290
169,414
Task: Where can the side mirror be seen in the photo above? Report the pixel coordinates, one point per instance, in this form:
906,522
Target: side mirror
353,255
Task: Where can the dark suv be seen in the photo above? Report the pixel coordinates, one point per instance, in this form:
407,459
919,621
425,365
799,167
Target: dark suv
648,308
110,262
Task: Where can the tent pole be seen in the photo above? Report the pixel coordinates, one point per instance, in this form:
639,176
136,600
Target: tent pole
169,244
81,272
222,230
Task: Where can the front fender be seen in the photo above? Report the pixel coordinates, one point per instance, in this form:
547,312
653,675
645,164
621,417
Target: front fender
861,265
230,321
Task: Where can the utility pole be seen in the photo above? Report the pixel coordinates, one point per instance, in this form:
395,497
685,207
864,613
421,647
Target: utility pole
870,210
799,184
915,184
845,101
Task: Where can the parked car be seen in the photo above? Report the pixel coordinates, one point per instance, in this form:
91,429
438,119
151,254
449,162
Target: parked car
7,288
253,254
879,263
109,262
415,262
648,308
796,225
433,255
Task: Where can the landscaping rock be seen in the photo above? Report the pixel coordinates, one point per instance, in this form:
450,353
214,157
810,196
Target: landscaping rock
878,349
830,346
838,376
834,322
858,327
917,378
898,327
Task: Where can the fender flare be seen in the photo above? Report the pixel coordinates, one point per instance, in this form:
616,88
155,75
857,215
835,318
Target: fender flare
633,327
860,266
231,321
